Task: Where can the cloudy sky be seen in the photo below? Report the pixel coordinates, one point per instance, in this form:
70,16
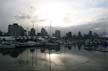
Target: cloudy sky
62,13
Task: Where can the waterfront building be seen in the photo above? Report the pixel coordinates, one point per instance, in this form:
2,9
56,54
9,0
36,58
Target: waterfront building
57,34
32,32
16,30
44,32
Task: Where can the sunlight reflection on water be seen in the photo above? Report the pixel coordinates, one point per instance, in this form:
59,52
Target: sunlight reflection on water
56,61
67,59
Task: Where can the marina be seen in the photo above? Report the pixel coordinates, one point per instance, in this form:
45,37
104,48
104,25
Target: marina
94,45
53,35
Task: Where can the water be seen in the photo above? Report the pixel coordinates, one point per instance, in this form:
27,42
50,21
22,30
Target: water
63,59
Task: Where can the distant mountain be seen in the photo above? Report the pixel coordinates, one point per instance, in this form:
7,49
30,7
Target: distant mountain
98,27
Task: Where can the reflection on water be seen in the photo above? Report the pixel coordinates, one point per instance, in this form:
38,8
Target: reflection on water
56,59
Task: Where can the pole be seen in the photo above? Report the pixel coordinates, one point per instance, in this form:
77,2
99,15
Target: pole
37,29
49,61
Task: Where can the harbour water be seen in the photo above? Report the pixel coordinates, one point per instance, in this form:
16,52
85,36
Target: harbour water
63,59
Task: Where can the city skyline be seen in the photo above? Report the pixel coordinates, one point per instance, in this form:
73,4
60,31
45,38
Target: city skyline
53,35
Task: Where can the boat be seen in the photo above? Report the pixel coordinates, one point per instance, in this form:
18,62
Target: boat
7,42
7,45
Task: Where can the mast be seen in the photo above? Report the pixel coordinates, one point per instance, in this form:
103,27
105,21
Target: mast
50,27
37,29
27,31
33,25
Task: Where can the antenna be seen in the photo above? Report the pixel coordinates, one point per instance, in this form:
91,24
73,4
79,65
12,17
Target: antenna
37,29
27,31
50,26
33,25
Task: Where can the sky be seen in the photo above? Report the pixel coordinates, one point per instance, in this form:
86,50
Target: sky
57,13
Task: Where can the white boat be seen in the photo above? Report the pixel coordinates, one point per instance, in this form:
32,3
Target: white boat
7,42
7,45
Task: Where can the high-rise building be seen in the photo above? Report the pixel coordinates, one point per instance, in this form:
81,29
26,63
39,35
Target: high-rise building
44,32
16,30
32,32
57,34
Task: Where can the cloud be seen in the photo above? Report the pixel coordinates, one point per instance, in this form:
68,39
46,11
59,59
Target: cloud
65,12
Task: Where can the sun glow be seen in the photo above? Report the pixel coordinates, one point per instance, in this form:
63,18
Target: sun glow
62,13
53,13
55,59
